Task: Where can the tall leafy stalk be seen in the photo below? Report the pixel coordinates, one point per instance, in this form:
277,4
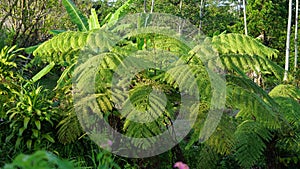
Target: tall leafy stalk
288,37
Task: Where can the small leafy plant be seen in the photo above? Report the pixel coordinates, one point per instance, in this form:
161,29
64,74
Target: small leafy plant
39,160
30,117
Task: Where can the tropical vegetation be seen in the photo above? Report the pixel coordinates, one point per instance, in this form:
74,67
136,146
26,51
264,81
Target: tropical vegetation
232,83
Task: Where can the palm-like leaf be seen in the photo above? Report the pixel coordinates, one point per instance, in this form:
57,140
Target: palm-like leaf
76,16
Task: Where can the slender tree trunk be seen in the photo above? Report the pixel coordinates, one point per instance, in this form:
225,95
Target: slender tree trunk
152,6
181,22
239,8
296,34
287,53
180,5
201,15
145,6
245,18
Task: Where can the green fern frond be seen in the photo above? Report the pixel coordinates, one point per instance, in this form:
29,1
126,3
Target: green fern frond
69,128
251,106
65,47
222,140
143,130
169,44
198,111
288,97
241,44
208,158
249,85
93,20
144,104
286,91
189,79
254,62
62,47
250,144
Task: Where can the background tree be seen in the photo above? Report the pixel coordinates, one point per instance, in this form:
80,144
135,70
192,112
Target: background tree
287,52
296,35
265,19
27,22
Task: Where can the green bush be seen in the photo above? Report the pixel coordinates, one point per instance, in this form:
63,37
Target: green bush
39,160
30,117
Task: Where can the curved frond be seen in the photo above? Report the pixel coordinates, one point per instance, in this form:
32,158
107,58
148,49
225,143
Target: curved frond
288,97
241,44
62,47
222,140
251,106
69,128
250,139
254,62
208,158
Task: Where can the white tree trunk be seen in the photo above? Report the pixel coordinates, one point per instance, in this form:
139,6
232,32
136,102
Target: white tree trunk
181,22
245,18
201,14
152,6
288,37
296,34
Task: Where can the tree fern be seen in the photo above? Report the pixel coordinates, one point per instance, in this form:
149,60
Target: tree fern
251,113
251,137
288,96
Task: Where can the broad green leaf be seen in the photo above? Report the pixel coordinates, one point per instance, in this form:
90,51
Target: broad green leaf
28,143
48,137
37,124
64,75
123,10
18,142
76,16
93,20
35,133
30,49
26,120
41,73
56,32
21,130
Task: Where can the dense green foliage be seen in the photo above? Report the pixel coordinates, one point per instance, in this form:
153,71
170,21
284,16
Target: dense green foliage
259,126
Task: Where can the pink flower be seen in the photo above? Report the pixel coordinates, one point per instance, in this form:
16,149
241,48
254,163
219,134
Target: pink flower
109,142
181,165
